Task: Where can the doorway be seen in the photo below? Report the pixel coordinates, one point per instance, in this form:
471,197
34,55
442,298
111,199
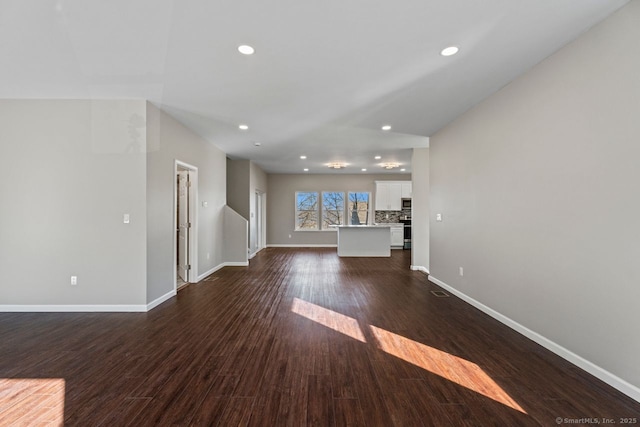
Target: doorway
260,222
185,224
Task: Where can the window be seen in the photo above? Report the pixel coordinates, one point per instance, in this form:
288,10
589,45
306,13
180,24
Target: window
332,209
320,210
306,210
358,208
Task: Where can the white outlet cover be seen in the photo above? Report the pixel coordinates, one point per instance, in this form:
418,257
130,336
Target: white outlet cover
438,217
126,218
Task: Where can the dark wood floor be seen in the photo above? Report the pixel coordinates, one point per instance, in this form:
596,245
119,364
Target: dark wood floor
301,337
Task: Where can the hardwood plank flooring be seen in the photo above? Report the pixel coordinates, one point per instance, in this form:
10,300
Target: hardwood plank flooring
299,338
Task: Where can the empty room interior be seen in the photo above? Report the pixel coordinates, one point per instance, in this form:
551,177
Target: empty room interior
320,213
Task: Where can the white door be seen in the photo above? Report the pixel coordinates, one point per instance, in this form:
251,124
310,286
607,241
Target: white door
183,225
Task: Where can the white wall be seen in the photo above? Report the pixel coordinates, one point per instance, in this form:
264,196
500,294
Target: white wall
70,170
539,190
420,209
281,203
244,178
238,182
169,140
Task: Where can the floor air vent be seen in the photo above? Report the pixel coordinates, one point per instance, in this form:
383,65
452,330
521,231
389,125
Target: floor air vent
440,294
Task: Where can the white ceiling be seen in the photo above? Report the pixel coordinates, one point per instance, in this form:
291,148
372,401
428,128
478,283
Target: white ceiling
325,77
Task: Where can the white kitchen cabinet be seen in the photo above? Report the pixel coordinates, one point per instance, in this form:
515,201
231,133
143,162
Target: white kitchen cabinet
388,196
397,236
406,190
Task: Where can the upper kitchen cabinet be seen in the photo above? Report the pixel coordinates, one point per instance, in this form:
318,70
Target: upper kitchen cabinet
406,189
389,195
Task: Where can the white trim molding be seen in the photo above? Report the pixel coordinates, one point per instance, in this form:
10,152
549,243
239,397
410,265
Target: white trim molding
303,246
420,268
219,266
75,308
156,302
595,370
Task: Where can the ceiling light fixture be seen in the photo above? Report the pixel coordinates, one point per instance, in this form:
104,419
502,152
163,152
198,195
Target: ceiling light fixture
386,127
306,169
245,49
448,51
257,144
337,165
390,165
402,170
243,127
364,169
377,157
303,157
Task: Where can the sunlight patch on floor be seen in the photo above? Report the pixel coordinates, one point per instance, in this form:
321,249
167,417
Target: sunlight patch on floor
445,365
338,322
452,368
32,401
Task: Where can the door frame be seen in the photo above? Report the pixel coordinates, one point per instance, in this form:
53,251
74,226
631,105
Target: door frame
192,274
262,220
259,223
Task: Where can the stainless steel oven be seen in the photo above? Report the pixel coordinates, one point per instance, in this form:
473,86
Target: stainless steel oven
407,233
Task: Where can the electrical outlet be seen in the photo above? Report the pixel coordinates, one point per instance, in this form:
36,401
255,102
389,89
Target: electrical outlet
438,217
461,271
126,218
74,280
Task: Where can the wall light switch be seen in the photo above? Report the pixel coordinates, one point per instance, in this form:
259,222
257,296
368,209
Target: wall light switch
74,280
438,217
125,218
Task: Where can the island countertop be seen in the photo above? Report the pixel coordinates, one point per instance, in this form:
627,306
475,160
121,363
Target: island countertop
372,240
378,225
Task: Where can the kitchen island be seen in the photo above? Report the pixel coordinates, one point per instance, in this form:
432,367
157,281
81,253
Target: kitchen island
364,240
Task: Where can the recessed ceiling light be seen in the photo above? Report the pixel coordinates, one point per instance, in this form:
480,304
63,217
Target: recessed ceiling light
306,169
402,170
386,127
390,165
377,157
448,51
364,169
243,127
245,49
257,144
303,157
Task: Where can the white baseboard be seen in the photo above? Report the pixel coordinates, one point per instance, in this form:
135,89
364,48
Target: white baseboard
236,264
303,246
153,304
210,272
251,255
420,268
82,308
595,370
219,266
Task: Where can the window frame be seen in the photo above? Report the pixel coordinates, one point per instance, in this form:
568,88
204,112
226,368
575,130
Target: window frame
342,212
348,212
320,209
316,210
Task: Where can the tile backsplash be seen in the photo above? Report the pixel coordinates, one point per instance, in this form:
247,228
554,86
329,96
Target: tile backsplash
382,217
